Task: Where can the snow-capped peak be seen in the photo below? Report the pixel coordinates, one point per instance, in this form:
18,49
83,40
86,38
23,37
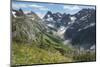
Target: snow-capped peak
73,18
13,12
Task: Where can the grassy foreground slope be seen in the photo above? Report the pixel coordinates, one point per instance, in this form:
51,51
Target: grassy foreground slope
30,54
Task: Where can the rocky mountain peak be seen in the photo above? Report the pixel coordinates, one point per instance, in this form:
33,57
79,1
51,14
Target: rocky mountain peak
18,12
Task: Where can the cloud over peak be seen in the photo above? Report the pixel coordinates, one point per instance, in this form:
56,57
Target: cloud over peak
75,7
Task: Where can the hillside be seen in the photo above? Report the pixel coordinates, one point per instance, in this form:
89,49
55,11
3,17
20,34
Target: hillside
32,44
53,39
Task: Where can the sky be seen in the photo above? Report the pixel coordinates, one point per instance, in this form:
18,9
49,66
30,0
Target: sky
41,8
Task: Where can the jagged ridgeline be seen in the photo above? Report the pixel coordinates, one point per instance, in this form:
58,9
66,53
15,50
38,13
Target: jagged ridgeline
30,28
26,28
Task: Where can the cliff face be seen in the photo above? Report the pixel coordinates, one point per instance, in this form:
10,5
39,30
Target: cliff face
79,28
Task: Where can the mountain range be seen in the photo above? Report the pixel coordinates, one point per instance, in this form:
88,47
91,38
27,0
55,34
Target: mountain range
55,38
79,29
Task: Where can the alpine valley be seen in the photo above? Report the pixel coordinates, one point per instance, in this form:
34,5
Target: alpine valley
55,38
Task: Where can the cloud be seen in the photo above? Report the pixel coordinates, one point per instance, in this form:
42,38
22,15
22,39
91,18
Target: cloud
71,7
17,6
51,4
38,7
34,6
44,9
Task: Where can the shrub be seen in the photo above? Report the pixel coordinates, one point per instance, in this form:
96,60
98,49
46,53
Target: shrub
88,56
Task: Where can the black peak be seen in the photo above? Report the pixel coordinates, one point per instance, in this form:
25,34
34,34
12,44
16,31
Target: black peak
21,11
48,14
18,12
84,12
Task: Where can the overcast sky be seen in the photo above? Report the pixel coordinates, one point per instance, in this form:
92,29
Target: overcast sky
42,8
